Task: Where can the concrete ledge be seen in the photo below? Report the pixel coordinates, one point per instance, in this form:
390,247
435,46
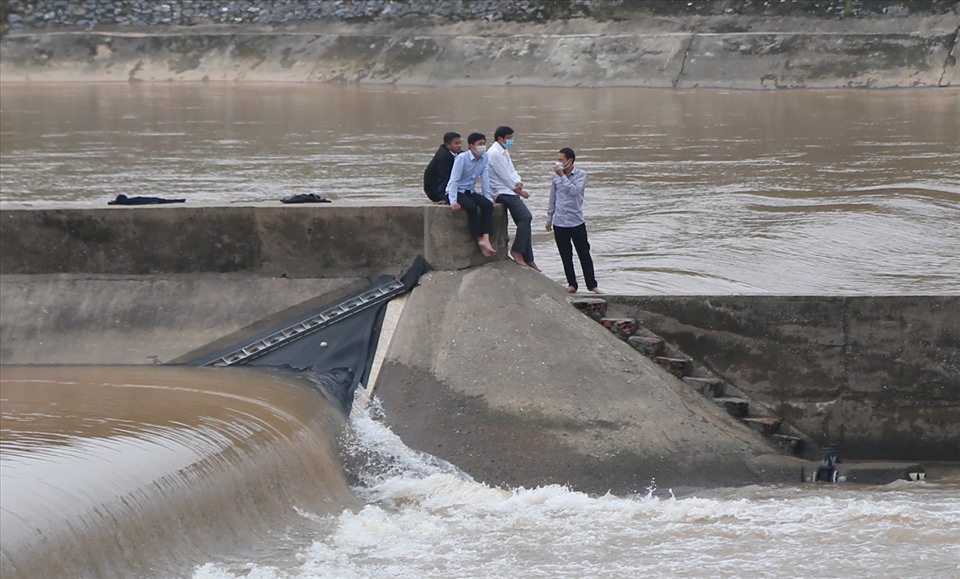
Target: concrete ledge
294,241
158,284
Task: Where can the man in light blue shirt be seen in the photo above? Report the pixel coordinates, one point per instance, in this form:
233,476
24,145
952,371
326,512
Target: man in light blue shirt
565,218
469,166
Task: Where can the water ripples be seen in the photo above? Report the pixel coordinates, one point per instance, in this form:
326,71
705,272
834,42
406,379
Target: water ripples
807,192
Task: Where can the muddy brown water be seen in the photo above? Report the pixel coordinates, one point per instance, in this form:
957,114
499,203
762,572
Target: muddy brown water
806,192
689,192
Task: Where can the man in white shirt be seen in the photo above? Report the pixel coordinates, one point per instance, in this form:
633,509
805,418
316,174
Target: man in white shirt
508,190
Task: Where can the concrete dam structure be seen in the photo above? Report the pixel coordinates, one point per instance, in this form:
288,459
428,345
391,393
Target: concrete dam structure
491,366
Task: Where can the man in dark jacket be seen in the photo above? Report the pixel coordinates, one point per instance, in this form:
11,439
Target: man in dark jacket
437,173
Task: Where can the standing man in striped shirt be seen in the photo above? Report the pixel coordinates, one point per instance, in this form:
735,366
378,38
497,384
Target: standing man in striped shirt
565,218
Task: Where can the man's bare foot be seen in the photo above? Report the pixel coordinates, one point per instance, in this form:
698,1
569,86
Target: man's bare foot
486,249
570,289
596,290
532,264
517,258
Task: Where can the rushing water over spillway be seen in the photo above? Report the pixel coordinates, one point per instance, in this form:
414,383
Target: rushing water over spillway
230,473
109,471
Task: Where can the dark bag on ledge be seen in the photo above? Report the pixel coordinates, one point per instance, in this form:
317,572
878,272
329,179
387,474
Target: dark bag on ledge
124,200
305,198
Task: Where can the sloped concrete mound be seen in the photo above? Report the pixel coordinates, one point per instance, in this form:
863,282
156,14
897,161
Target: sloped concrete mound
493,369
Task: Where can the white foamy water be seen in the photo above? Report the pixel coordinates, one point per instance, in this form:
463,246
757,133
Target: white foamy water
425,519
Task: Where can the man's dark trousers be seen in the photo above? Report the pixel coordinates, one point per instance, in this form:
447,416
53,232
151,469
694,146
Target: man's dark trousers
578,236
522,242
479,211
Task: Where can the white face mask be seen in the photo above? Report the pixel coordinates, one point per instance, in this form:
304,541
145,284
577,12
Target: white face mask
481,149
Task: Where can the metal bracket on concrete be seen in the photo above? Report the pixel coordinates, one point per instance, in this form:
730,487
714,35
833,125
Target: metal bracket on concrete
310,325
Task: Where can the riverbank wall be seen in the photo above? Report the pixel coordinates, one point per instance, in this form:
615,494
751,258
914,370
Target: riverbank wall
490,366
727,48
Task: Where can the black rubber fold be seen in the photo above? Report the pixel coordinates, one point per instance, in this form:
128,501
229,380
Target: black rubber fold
338,357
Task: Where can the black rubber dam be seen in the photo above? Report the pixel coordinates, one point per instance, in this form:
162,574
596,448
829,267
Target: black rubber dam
332,346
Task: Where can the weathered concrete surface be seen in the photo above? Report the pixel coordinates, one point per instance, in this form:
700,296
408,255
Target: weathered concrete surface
155,284
296,240
727,52
147,319
492,369
878,375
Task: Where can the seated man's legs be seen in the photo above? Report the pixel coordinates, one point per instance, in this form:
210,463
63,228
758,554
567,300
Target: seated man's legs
479,211
522,249
486,213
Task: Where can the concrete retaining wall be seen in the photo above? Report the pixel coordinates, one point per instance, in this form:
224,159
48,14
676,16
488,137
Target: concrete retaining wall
155,284
880,375
723,52
294,240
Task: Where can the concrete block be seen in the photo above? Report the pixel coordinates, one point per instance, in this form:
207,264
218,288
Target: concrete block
596,308
765,425
709,387
679,367
735,406
622,327
792,444
648,346
447,244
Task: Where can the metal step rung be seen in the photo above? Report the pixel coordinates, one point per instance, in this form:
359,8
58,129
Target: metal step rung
304,327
